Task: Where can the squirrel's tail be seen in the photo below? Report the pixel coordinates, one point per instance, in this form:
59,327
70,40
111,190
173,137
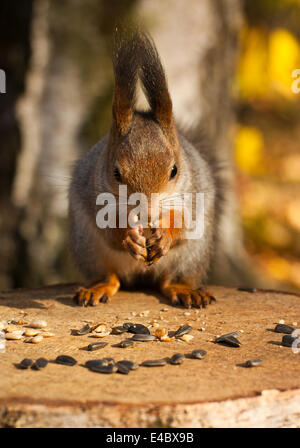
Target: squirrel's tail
135,56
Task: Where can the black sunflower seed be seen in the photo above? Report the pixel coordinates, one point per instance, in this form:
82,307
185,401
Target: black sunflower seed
96,346
154,362
288,340
182,330
198,354
66,360
229,339
125,343
282,328
39,364
143,337
95,363
25,363
84,330
178,358
122,368
110,368
109,360
138,329
129,364
253,362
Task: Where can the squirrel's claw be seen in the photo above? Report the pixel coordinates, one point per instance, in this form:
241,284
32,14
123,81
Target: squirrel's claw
188,297
135,243
158,245
99,292
91,296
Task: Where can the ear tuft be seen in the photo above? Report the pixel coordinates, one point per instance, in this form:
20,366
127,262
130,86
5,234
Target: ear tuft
126,64
154,83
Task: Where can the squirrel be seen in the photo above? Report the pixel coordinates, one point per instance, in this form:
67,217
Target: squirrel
145,151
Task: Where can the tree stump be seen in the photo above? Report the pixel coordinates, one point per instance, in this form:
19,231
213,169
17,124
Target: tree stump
217,391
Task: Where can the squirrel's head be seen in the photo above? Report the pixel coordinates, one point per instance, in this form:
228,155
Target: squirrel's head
143,149
145,159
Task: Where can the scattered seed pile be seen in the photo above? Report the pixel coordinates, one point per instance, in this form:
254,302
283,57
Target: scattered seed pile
32,332
35,331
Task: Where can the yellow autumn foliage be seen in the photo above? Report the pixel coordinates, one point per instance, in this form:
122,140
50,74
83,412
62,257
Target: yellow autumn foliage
267,62
249,145
284,57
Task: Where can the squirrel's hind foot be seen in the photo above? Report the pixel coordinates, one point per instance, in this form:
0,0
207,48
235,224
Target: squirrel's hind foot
180,294
99,292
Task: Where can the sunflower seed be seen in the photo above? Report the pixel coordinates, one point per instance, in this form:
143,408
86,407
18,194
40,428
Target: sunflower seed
47,334
182,330
186,337
96,346
95,363
143,337
14,336
127,325
288,340
125,343
138,329
155,362
101,328
38,324
253,362
229,339
109,360
31,332
39,364
282,328
25,363
129,364
11,328
198,354
84,330
122,368
35,340
110,368
178,358
100,335
233,333
66,360
119,330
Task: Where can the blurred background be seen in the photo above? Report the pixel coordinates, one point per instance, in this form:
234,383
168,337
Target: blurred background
229,65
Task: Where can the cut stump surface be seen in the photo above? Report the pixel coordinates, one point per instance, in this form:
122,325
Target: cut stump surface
216,391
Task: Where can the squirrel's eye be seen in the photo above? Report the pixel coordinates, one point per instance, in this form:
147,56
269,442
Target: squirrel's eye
117,174
173,172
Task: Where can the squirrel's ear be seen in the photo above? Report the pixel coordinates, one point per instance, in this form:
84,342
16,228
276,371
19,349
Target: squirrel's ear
125,63
155,84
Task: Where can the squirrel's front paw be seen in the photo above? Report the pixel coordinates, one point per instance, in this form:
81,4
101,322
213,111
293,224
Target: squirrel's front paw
135,243
91,296
188,297
99,292
158,245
